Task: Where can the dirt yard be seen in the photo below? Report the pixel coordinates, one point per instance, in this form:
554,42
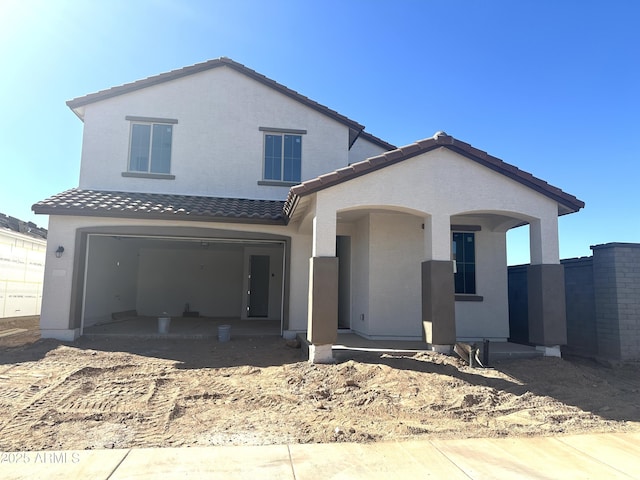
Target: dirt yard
253,391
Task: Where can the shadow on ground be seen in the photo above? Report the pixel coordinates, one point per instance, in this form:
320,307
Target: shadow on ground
612,393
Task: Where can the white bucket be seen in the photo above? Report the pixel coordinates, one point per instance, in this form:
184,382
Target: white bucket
224,333
163,324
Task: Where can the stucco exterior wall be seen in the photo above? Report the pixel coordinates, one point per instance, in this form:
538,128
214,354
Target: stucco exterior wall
56,295
387,251
360,272
299,282
21,274
449,185
363,149
441,183
396,247
217,148
489,318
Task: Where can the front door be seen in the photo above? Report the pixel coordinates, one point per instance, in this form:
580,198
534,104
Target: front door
259,273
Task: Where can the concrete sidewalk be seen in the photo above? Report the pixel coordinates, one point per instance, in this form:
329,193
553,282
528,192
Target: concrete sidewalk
598,456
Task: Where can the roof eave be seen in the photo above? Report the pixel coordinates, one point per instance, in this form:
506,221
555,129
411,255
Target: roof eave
75,103
440,140
46,210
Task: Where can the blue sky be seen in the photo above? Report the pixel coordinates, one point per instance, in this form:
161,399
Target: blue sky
550,86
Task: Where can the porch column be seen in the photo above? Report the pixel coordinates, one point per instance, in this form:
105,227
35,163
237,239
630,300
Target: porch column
322,325
545,280
438,298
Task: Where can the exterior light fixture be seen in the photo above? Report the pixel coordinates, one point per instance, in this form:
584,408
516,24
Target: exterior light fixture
59,251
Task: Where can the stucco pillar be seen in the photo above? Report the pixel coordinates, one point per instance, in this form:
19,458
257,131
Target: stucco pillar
57,293
437,237
322,328
438,297
543,241
324,234
545,284
322,324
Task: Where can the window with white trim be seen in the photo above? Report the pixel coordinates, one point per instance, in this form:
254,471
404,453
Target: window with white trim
150,147
282,157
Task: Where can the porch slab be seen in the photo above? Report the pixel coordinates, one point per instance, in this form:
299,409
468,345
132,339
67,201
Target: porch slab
497,350
183,327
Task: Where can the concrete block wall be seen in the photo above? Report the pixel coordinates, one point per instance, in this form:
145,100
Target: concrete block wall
582,335
602,299
616,269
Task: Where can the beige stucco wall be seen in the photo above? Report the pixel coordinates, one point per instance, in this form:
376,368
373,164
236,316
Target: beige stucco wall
360,254
363,149
387,251
21,273
489,318
217,145
396,248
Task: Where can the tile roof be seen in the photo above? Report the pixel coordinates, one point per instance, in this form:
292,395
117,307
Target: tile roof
27,228
439,140
201,67
99,203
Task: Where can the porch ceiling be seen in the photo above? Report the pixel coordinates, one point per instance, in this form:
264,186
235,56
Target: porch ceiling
355,215
496,222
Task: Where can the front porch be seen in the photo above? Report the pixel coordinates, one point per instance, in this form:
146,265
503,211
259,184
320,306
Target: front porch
347,344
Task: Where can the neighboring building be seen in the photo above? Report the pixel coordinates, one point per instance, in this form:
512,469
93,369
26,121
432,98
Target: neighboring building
22,255
215,186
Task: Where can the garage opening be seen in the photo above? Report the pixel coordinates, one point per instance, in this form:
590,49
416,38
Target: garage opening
200,282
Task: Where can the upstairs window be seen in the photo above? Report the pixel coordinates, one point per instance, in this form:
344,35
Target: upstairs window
150,148
283,157
464,259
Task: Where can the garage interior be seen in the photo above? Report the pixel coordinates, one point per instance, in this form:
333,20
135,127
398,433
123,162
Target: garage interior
199,282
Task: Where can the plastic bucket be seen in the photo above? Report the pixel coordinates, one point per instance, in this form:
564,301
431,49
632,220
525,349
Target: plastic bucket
224,333
163,324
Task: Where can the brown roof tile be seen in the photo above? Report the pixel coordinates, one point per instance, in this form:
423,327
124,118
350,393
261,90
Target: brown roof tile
160,206
208,65
439,140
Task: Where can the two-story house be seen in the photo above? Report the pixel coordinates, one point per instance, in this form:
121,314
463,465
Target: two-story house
219,188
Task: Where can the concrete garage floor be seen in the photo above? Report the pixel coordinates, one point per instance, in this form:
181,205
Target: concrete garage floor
183,327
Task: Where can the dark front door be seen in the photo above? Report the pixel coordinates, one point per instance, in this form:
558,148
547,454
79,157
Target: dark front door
259,273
